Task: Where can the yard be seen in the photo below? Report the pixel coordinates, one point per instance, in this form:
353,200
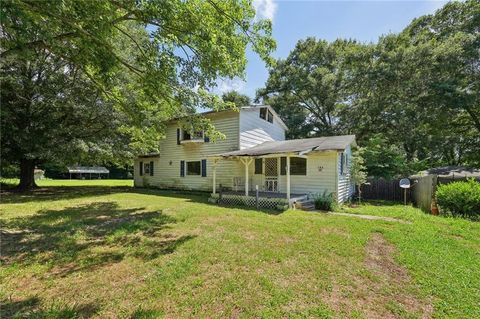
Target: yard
115,251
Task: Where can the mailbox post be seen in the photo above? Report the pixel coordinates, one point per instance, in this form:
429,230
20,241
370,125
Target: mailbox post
405,184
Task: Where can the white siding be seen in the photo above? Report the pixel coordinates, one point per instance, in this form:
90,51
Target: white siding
254,130
345,187
167,166
320,178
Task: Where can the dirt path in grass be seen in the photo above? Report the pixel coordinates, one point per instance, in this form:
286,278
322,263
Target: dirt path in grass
371,217
383,291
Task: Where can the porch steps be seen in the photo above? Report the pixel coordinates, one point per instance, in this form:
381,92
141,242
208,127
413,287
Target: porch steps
305,204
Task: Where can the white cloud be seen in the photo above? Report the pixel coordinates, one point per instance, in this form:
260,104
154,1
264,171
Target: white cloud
265,8
225,85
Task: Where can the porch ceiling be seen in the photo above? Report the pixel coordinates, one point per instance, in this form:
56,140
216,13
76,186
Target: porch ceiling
295,146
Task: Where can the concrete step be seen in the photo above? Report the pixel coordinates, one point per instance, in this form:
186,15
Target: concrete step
306,204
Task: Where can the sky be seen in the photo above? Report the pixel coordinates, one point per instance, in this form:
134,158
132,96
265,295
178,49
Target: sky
293,20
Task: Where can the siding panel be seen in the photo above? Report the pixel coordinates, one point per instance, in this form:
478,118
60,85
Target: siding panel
167,166
254,130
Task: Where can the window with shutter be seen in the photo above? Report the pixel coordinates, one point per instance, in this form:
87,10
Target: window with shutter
194,168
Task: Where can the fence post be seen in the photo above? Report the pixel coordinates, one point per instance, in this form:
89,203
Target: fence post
256,196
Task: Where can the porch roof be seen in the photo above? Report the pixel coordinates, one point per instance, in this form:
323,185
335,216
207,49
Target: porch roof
304,145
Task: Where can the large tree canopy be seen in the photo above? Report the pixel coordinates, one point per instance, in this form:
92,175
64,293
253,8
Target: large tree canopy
93,73
417,92
236,98
309,87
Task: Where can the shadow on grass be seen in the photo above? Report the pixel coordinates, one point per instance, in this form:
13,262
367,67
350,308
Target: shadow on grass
53,193
30,308
87,236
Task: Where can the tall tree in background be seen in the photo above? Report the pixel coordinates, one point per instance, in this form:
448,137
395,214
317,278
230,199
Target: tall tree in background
66,65
236,98
416,92
308,88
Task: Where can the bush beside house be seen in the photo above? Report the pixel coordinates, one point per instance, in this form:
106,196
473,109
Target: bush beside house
459,199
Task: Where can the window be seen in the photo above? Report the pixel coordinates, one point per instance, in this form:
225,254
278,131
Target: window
258,166
266,114
141,168
188,135
298,166
263,113
270,117
146,168
193,168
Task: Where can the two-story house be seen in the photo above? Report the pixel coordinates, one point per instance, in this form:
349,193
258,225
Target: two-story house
253,154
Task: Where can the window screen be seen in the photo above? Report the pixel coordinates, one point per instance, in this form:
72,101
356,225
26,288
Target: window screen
263,113
298,166
146,168
193,168
258,166
270,117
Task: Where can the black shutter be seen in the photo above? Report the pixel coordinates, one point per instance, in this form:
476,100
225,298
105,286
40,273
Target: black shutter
283,166
151,168
182,168
341,163
204,168
206,139
141,168
178,136
258,166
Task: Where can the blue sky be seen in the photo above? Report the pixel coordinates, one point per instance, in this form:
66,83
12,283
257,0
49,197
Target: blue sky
294,20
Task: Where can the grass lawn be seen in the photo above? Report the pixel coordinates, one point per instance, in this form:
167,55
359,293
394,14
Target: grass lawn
119,252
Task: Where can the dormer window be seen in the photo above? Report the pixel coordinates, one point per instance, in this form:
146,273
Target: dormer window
266,114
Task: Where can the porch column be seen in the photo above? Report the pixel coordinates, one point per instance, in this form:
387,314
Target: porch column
246,162
214,176
288,179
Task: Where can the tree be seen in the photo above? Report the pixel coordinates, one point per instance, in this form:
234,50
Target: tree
308,89
420,88
236,98
67,67
358,173
382,159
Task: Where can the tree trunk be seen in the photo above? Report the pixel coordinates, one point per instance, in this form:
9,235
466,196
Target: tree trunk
27,180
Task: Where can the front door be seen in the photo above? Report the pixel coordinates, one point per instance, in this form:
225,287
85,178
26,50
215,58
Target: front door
271,174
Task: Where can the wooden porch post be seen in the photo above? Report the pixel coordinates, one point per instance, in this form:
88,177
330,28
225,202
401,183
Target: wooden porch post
214,176
288,179
246,162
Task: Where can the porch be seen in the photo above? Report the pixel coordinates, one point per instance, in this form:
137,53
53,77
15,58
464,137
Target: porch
260,199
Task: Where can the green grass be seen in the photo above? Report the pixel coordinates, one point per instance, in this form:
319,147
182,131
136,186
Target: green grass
70,252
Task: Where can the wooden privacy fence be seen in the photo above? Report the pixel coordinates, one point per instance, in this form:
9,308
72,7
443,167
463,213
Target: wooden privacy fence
424,188
384,190
421,192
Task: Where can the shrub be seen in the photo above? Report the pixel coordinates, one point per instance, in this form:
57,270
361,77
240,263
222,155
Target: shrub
324,201
459,199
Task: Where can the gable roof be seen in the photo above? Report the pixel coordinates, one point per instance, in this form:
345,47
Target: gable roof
246,107
304,145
